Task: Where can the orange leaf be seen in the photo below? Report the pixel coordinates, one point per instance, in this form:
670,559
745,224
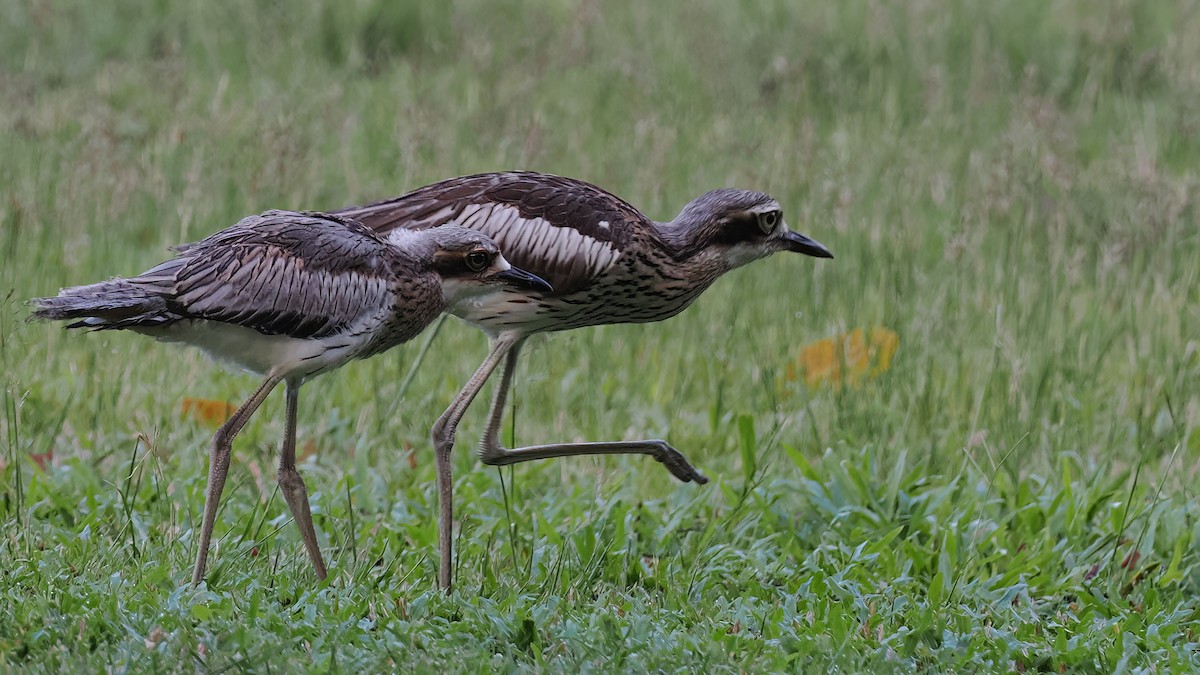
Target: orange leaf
43,459
207,411
307,449
849,358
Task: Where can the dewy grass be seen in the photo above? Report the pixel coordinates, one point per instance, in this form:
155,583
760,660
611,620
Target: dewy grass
1010,188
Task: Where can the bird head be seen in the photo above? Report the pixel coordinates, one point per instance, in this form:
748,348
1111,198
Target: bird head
470,264
739,226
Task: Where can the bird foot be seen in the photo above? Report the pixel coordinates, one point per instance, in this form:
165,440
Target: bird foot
678,464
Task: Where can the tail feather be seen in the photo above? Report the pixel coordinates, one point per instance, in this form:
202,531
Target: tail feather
108,305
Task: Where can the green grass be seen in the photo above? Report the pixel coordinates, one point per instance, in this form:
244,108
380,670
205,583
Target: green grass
1011,187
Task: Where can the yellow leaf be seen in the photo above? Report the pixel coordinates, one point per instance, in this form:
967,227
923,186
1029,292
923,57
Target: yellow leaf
207,411
884,344
847,359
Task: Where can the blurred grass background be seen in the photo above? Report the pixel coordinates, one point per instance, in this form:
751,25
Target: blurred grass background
1010,187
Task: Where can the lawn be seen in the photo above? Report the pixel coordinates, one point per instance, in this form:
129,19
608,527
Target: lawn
1011,188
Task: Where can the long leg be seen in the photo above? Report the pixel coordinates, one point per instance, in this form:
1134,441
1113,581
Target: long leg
292,485
492,452
443,444
218,468
491,435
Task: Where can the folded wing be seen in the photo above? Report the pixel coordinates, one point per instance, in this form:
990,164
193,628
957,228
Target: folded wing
566,231
304,275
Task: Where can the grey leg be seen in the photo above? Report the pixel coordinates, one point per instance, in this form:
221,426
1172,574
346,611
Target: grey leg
218,468
664,452
491,452
292,485
443,444
491,435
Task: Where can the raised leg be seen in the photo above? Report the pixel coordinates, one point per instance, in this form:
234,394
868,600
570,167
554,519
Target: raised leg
492,452
664,452
443,444
218,468
292,485
491,435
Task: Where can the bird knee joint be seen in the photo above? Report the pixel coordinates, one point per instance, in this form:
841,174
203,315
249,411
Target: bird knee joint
490,455
291,482
442,436
221,440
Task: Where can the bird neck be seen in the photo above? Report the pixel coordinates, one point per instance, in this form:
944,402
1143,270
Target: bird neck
691,261
682,238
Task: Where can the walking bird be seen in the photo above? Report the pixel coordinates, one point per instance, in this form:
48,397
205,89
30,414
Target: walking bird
607,263
289,296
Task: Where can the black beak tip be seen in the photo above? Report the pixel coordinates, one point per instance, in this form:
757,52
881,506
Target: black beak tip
520,278
810,247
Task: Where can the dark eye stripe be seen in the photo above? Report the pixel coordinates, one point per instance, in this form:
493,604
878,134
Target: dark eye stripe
738,229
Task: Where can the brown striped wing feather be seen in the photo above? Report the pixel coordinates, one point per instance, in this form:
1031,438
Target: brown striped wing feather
282,273
566,231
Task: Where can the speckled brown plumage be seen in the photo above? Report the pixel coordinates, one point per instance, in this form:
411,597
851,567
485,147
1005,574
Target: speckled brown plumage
608,263
290,295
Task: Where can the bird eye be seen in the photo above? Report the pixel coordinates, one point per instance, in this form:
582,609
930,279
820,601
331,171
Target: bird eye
767,221
478,260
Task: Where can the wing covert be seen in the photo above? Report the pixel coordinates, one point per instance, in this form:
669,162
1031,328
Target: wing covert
301,275
564,230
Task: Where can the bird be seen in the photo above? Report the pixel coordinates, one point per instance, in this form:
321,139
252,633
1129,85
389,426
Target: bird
288,296
607,263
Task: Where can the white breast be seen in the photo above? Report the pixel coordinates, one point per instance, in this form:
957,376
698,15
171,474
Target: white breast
502,309
247,349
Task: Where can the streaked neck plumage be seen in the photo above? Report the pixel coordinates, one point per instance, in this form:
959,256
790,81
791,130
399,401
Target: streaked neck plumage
688,241
683,236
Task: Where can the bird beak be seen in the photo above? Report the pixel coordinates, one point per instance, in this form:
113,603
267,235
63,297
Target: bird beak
522,279
794,241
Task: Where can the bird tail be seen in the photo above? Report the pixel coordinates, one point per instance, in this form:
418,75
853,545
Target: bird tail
108,305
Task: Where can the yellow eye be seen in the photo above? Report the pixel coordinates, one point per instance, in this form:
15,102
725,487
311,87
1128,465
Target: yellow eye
478,260
767,221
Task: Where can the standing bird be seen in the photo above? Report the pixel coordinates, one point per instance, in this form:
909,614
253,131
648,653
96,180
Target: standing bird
607,262
289,296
